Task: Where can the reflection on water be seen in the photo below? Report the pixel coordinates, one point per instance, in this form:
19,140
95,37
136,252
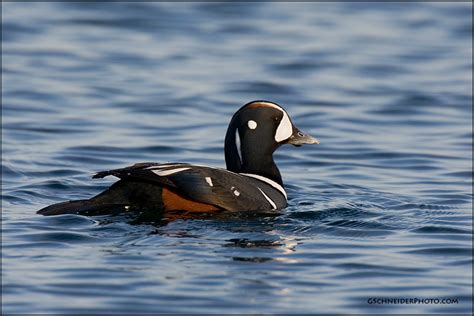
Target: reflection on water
382,208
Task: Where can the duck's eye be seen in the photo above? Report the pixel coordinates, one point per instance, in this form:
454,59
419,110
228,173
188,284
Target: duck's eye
276,118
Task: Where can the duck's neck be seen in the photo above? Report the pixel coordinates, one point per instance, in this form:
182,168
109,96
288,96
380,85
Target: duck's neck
250,158
262,166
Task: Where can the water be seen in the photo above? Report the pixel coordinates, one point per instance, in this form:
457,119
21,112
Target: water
382,208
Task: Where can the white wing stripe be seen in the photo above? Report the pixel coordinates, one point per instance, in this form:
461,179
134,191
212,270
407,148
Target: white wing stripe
163,173
164,166
268,181
268,199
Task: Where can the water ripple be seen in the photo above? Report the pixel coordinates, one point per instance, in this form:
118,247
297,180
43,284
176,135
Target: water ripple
382,207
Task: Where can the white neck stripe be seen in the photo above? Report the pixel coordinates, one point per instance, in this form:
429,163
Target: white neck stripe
268,181
238,145
268,199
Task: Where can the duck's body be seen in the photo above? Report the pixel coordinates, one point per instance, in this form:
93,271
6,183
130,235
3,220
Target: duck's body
252,181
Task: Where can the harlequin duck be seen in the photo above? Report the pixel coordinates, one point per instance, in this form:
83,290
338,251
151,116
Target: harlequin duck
252,180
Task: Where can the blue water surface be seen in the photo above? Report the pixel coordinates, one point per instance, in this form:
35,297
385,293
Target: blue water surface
381,208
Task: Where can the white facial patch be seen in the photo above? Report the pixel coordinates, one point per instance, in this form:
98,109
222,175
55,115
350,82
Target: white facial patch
168,172
252,124
285,129
209,181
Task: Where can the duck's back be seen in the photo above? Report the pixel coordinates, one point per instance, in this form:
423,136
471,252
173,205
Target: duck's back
177,186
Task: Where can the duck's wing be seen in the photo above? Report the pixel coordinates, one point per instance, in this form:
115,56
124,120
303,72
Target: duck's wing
215,186
138,171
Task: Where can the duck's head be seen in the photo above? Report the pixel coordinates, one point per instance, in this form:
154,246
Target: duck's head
255,131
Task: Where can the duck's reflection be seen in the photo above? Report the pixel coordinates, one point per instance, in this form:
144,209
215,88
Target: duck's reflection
161,218
260,224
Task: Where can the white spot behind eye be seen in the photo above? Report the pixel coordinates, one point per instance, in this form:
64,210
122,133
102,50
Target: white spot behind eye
284,129
252,124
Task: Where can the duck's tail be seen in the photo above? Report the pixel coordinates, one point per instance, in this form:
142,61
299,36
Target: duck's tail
117,199
82,207
112,201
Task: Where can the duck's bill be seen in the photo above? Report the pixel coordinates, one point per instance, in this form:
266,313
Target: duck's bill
299,138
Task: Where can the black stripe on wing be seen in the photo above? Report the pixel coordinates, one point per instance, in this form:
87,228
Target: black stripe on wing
122,172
